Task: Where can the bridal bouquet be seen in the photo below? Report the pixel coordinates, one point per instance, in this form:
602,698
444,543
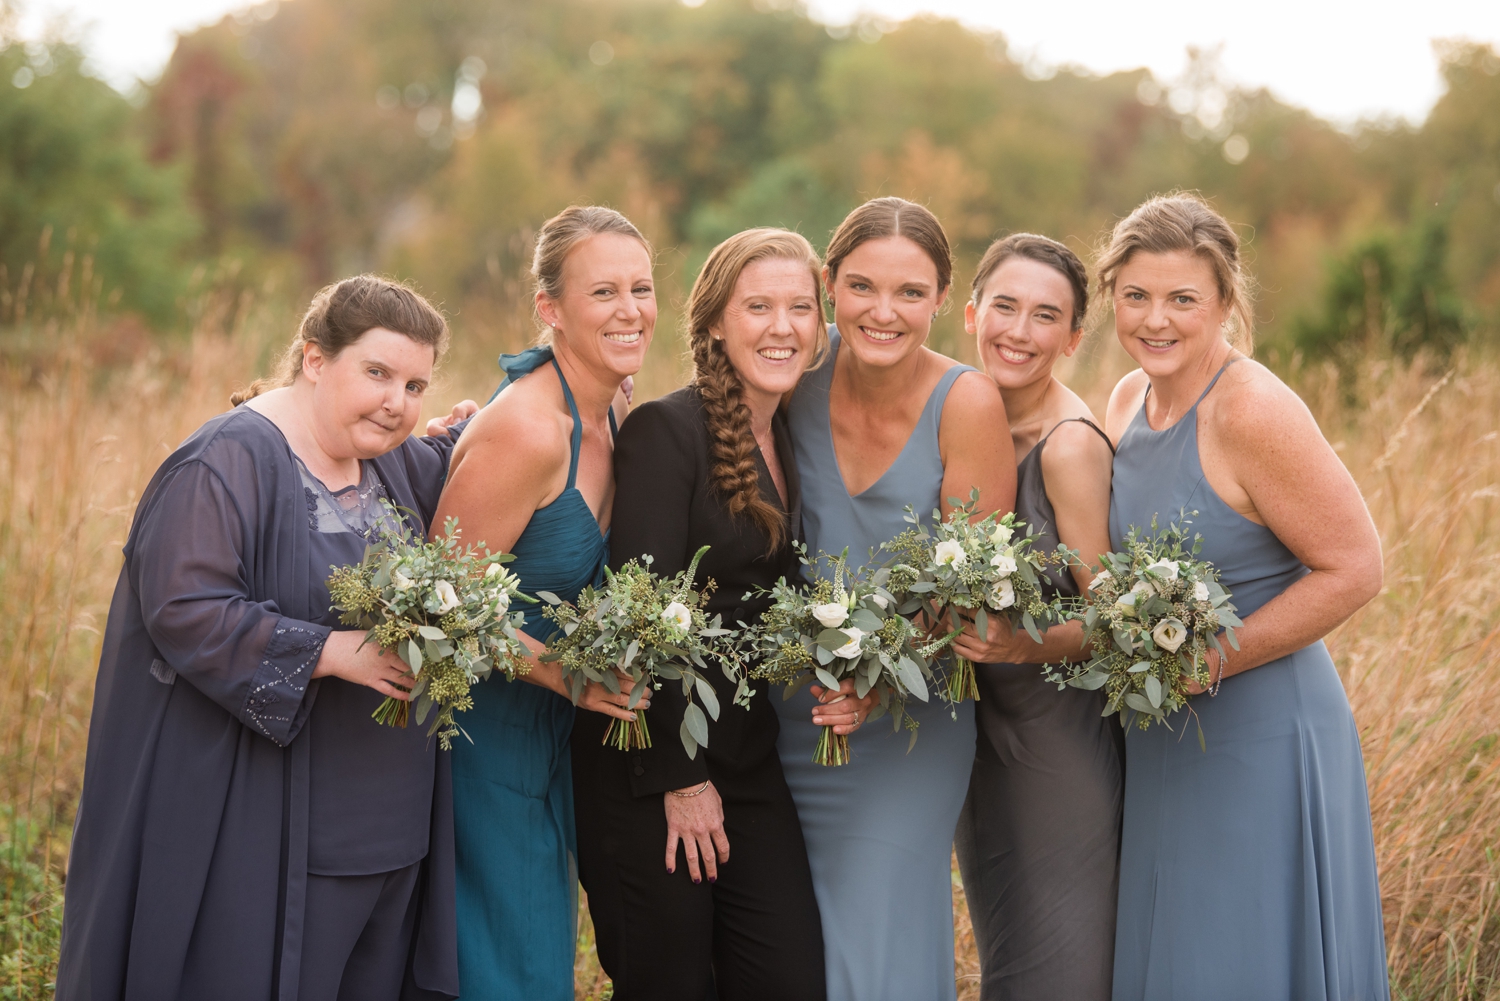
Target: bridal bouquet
650,629
1151,614
969,569
846,627
444,610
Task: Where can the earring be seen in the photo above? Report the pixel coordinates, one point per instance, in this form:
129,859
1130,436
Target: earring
934,316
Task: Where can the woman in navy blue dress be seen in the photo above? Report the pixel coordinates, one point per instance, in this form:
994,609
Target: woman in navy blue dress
246,831
1247,870
533,475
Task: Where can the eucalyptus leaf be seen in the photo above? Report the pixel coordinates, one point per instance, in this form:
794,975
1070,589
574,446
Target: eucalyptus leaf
688,743
709,696
696,723
1153,690
431,633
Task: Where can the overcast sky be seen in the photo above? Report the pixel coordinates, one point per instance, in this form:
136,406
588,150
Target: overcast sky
1340,58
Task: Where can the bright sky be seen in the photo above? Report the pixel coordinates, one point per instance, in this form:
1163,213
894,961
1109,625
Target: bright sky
1342,59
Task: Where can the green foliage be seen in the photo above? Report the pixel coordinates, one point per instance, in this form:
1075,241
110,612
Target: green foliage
30,909
79,201
1389,292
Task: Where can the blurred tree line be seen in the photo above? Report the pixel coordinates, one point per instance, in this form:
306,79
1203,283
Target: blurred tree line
316,138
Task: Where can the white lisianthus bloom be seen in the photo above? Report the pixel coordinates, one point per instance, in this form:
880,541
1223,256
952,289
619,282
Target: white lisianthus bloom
447,597
1169,634
1099,579
1001,535
1003,596
1128,601
502,603
831,615
401,581
1004,562
951,552
1164,568
1200,591
677,614
850,650
493,569
880,600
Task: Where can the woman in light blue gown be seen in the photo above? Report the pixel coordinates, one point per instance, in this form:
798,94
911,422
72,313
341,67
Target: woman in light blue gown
1247,870
885,422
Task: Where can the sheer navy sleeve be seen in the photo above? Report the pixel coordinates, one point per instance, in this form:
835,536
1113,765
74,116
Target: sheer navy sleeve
189,568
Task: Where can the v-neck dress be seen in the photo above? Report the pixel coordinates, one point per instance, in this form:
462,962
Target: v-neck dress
513,786
1247,870
879,830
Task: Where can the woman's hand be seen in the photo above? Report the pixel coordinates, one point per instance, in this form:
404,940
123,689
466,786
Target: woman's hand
698,822
346,655
438,426
601,700
1004,645
1215,665
842,710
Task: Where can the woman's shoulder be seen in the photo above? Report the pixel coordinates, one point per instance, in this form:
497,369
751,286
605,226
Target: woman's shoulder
676,417
524,422
1251,407
232,442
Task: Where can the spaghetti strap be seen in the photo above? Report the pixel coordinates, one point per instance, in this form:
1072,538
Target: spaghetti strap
577,443
1212,382
1080,420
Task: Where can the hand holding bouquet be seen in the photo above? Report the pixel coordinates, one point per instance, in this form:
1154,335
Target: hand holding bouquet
649,629
971,569
846,627
445,611
1152,614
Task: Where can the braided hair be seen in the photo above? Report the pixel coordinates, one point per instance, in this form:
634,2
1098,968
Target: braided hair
732,444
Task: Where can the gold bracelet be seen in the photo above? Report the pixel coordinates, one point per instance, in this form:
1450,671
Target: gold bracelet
688,795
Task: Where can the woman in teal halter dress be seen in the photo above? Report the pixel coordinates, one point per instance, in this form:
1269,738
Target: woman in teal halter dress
1247,867
511,491
513,785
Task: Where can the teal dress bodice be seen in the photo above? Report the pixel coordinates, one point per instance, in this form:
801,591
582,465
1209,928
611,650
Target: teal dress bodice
513,785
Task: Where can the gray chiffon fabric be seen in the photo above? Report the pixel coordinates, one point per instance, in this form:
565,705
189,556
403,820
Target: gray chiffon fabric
1247,871
879,830
1038,841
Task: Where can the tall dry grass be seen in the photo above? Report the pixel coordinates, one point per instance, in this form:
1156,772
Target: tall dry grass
86,420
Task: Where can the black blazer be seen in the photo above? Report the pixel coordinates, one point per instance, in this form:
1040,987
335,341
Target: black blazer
665,505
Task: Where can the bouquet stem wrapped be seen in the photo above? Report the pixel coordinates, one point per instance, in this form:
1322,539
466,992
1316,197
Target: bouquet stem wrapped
649,629
1151,615
444,610
843,627
960,568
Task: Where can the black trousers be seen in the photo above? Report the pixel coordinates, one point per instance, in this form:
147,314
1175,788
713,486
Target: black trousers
753,935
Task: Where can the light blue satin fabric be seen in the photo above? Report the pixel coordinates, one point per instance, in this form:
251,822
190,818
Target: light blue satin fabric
879,830
1247,872
513,786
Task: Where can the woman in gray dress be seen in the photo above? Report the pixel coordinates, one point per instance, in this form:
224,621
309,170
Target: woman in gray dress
1039,838
885,422
1247,870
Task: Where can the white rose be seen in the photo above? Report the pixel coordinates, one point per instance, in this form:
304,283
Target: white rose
447,597
951,552
1099,579
850,650
1169,634
1164,568
1200,590
1004,562
832,615
502,603
677,614
402,582
1001,535
1003,596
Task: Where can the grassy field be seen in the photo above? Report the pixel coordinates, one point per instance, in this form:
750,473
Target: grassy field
87,415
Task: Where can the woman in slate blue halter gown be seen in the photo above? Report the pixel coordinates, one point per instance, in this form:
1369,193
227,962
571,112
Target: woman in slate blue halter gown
883,423
1247,871
532,474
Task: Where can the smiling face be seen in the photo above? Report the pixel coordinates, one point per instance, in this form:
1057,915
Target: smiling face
607,311
770,326
367,398
1168,311
884,297
1023,322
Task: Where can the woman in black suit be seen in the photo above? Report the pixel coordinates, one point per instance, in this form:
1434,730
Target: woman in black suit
710,464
